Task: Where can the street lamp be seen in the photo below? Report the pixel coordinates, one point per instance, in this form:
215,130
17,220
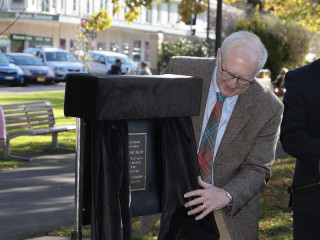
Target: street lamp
218,25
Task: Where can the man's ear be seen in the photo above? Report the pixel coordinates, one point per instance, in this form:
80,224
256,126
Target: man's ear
218,52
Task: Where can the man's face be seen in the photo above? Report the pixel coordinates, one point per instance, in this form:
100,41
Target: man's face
236,63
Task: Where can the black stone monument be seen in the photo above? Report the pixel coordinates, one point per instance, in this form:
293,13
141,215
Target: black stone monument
136,153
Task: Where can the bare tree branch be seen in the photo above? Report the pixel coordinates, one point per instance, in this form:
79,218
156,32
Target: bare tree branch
12,22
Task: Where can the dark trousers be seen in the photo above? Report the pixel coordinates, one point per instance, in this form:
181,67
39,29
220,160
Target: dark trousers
306,227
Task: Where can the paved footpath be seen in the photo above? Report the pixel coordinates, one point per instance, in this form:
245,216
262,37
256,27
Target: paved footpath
37,198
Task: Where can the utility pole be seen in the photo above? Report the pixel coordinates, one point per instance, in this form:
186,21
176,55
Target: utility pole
218,25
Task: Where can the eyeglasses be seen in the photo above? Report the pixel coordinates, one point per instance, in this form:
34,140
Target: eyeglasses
230,76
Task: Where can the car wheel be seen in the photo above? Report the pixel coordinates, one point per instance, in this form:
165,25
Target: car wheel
22,82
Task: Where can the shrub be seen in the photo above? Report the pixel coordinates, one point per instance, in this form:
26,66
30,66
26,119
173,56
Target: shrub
278,48
183,47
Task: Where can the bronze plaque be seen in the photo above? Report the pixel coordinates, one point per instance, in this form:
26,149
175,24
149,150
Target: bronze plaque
137,160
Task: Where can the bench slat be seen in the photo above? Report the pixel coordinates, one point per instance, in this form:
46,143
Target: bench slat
39,119
29,104
27,110
27,118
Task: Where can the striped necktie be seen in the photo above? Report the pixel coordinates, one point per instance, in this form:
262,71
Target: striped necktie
206,150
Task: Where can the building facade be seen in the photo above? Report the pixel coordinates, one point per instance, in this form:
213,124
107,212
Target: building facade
28,23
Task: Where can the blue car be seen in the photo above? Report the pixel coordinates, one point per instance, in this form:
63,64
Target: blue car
10,74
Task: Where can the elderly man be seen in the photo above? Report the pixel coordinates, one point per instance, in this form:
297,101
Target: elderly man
237,132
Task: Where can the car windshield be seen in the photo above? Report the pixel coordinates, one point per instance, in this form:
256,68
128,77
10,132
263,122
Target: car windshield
124,60
3,59
28,60
60,57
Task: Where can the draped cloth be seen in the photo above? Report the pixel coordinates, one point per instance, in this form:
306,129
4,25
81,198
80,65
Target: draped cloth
106,191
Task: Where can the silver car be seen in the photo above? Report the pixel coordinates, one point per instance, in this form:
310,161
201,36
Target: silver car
62,62
100,62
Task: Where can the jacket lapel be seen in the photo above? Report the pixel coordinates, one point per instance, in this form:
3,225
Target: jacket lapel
239,118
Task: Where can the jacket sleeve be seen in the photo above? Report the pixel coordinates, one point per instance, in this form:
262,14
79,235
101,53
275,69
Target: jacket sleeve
295,133
254,171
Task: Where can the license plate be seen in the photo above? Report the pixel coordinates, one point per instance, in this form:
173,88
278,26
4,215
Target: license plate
41,79
9,77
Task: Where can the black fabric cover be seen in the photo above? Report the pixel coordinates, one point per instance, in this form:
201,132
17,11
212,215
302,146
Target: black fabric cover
132,97
110,195
180,172
106,182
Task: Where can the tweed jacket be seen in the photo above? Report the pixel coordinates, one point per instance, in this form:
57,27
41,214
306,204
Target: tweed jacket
247,150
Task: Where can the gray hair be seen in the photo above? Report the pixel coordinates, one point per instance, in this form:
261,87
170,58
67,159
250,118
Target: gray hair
248,39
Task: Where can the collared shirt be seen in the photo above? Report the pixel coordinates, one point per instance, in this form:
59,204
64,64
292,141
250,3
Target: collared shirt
227,109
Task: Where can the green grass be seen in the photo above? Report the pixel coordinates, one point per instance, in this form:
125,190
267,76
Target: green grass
10,164
22,145
275,216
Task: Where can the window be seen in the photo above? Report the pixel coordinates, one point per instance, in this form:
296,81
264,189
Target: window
88,6
114,47
63,43
102,46
45,5
146,51
169,8
159,12
149,15
136,51
126,48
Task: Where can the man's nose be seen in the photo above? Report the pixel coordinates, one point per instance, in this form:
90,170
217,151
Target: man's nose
233,82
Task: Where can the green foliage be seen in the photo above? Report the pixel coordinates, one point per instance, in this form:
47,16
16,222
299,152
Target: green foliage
278,47
186,7
183,47
306,13
99,21
295,35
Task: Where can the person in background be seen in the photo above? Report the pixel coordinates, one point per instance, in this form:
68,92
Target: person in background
300,137
144,69
279,84
116,67
2,129
280,78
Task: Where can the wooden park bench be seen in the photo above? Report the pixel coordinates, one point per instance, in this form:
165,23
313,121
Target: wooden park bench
31,119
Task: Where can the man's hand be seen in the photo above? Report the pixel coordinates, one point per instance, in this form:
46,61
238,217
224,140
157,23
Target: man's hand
209,199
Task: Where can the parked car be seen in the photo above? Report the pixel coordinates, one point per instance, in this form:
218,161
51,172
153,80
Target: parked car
10,73
100,62
35,71
62,62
